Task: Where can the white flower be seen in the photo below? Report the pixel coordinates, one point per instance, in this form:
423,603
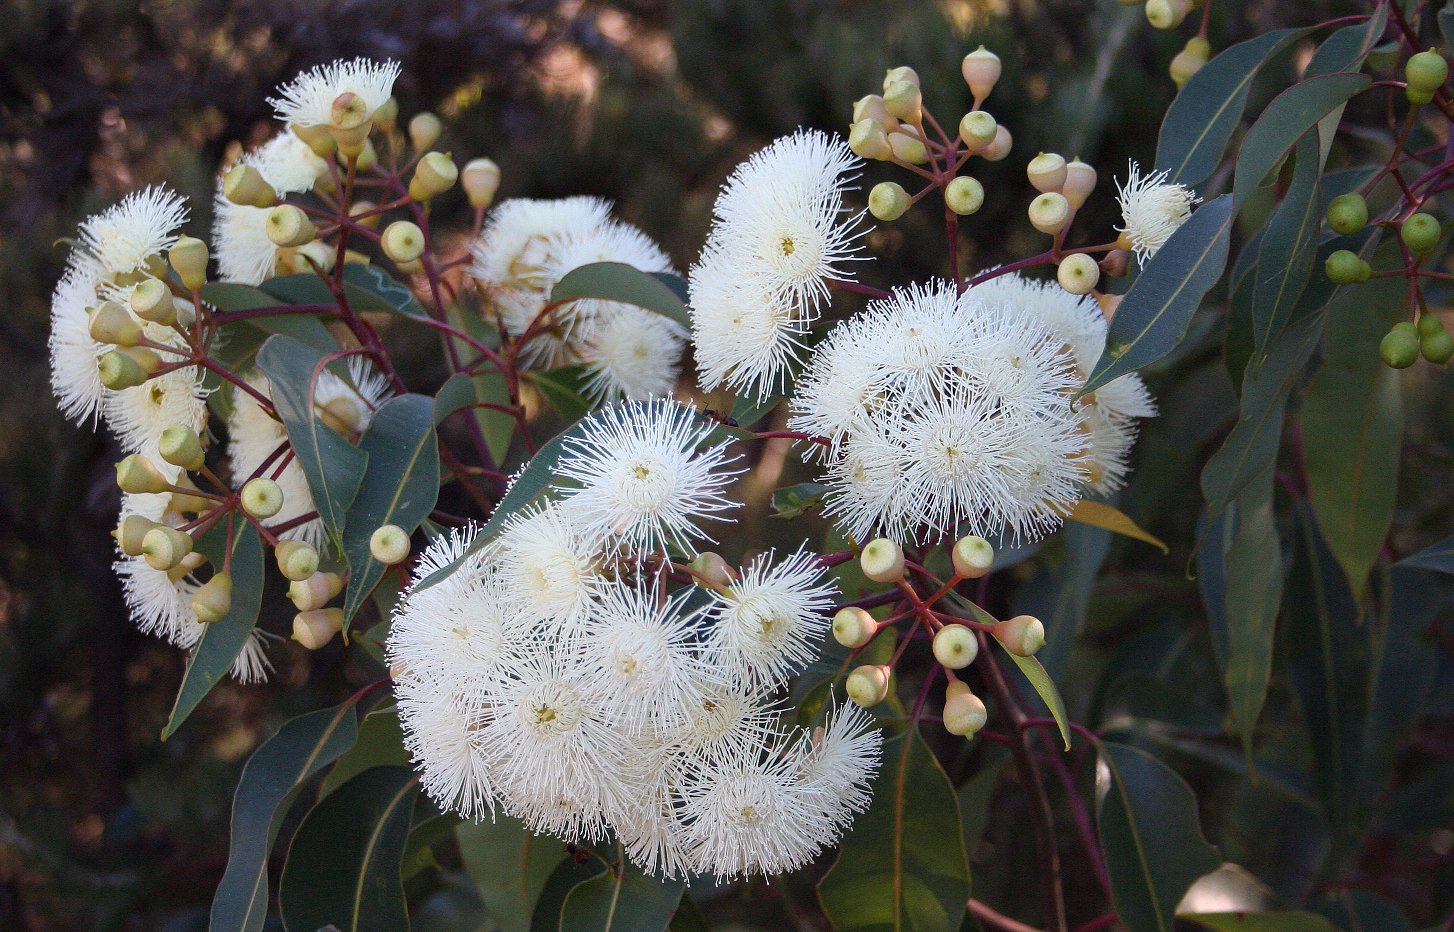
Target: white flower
245,255
139,414
287,163
770,622
509,252
74,377
548,564
440,722
125,235
645,481
840,757
1152,209
744,335
634,354
308,99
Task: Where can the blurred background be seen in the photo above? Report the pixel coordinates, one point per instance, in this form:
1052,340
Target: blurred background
649,103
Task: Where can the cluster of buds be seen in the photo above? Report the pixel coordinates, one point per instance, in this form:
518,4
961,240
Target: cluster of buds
155,299
1169,14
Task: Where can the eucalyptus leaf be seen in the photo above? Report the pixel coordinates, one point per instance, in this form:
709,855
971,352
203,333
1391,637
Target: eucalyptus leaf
623,899
616,281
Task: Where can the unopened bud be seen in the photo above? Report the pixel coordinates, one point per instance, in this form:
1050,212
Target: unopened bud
888,200
903,101
977,128
349,111
480,179
882,560
853,627
908,148
1109,303
902,73
1167,14
262,497
955,646
317,138
713,568
368,156
1047,172
424,130
182,502
245,185
152,300
435,174
1049,213
1080,181
1115,263
343,414
187,564
964,712
120,370
137,474
973,557
389,544
1078,273
981,69
164,547
112,323
872,108
964,195
288,226
317,254
189,257
868,685
1022,635
315,591
387,115
213,599
297,560
402,241
868,139
181,446
315,628
999,147
1189,60
130,531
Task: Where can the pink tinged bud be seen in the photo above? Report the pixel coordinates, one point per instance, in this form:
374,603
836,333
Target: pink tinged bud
964,712
981,69
1022,635
853,627
316,627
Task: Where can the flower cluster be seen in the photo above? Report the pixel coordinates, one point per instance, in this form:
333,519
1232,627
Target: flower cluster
552,670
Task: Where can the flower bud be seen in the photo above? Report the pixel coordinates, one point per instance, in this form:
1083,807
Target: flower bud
317,138
343,414
389,544
1348,213
1167,14
872,108
164,547
908,148
1022,635
1417,96
869,140
181,502
977,129
112,323
1080,181
289,227
964,195
1115,263
964,712
317,253
955,646
903,100
480,179
1435,343
152,300
213,599
245,185
403,241
1000,147
882,560
435,174
1078,273
1426,71
297,560
120,370
868,685
189,257
137,474
424,130
262,497
315,591
315,628
888,200
853,627
903,73
973,557
387,115
130,531
1344,267
1049,213
1109,303
368,156
1420,233
1189,60
1047,172
712,568
181,446
981,69
1399,348
186,565
349,111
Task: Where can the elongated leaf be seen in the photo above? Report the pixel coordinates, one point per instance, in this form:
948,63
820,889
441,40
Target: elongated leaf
509,866
1446,25
1261,922
223,640
380,742
271,776
1154,315
400,486
1111,518
1201,120
616,281
458,391
565,390
568,874
343,867
1291,114
1438,558
1346,49
1352,430
902,866
1254,581
621,900
1151,836
306,328
1285,260
333,466
367,289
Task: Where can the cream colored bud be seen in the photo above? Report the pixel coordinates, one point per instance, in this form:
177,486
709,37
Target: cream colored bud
903,101
262,497
908,148
1022,635
349,111
888,200
343,414
977,128
999,147
245,185
964,712
424,130
316,627
868,139
180,446
317,138
1190,60
130,531
1078,273
368,156
402,241
955,646
185,566
112,323
981,69
119,370
882,560
189,257
361,207
435,174
288,226
1080,181
297,560
137,474
1046,172
181,502
164,547
315,591
868,685
901,73
713,568
389,544
973,557
853,627
872,108
213,599
387,116
1167,14
317,253
1049,213
480,179
964,195
152,300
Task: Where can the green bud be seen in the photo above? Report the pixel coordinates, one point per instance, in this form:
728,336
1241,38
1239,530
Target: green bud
181,446
1434,341
189,257
1420,233
164,547
213,599
903,101
262,497
245,185
402,241
120,370
297,560
316,253
1189,60
1167,14
289,227
955,647
1344,267
1049,213
964,195
137,474
389,544
112,323
888,200
152,300
387,115
901,73
1348,213
868,139
435,174
1417,96
1399,348
182,502
1426,71
908,148
129,533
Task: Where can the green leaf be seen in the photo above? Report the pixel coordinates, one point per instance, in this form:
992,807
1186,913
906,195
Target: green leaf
333,466
621,900
1346,49
222,640
902,865
1285,258
1437,558
1151,836
1253,593
1290,921
1291,114
1154,315
400,486
976,795
1352,429
616,281
419,849
568,874
1446,26
509,865
269,780
1201,120
380,742
458,391
343,867
366,287
794,501
565,390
